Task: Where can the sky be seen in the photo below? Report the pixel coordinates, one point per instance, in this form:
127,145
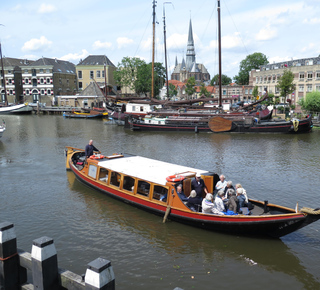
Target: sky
73,29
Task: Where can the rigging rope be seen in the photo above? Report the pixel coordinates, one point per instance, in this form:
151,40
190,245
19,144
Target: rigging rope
309,210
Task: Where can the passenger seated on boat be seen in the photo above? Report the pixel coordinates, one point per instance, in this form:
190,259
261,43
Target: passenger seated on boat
180,193
194,201
207,204
238,185
218,207
241,198
232,203
221,184
228,186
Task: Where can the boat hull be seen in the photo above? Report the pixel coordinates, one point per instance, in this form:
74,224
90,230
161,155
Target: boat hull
16,109
264,225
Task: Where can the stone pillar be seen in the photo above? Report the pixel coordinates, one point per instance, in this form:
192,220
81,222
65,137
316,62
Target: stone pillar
9,259
99,275
44,264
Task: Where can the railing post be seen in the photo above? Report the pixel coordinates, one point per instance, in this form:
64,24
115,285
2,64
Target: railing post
9,259
44,264
99,275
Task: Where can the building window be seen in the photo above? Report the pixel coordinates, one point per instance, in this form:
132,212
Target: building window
41,70
224,92
318,88
250,91
80,74
34,72
98,74
246,91
273,79
103,73
42,92
48,92
47,70
317,75
91,74
309,88
310,75
301,88
25,71
41,81
80,85
301,76
48,80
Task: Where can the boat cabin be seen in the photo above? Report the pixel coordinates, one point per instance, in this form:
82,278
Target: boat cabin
130,177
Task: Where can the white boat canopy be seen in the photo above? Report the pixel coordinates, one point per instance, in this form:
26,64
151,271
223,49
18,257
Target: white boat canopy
148,169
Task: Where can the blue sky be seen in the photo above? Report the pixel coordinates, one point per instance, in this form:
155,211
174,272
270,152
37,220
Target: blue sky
73,29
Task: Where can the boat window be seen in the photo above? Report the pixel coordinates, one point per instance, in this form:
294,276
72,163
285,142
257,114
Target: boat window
92,171
115,178
143,188
159,192
103,175
128,183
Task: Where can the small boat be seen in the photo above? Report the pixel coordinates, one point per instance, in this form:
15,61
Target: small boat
2,128
85,115
142,182
254,125
16,109
170,123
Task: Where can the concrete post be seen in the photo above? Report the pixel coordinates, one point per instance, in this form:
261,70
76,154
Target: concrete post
44,264
9,259
99,275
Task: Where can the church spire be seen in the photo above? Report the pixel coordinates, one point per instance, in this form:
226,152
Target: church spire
191,55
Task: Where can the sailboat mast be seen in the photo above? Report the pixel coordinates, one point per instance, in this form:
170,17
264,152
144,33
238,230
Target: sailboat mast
153,37
219,48
4,80
165,50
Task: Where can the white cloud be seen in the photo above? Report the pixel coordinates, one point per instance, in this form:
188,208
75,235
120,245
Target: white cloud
177,41
227,42
75,56
98,45
46,8
312,21
309,47
123,41
266,33
37,44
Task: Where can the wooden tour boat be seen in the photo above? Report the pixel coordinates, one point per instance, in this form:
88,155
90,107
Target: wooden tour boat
86,115
142,182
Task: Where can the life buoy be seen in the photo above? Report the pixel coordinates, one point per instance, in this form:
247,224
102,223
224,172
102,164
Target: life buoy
175,178
96,157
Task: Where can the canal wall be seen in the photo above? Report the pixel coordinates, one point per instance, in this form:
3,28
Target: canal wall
39,270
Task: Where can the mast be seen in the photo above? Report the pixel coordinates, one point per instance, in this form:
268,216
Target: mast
4,80
219,48
153,37
165,49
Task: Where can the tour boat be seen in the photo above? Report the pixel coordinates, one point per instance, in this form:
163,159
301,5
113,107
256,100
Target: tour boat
16,109
142,182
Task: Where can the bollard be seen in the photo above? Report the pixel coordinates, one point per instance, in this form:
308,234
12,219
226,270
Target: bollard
44,264
99,275
9,259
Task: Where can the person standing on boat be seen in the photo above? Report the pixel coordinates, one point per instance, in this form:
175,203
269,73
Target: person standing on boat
198,185
89,149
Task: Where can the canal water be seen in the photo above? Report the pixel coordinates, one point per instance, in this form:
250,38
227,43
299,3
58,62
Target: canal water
42,199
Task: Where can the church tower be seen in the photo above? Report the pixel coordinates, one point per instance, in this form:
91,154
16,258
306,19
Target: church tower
191,55
189,67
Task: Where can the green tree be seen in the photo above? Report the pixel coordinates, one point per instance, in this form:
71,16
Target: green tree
285,83
311,103
252,61
204,91
225,80
255,93
126,72
172,91
190,86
